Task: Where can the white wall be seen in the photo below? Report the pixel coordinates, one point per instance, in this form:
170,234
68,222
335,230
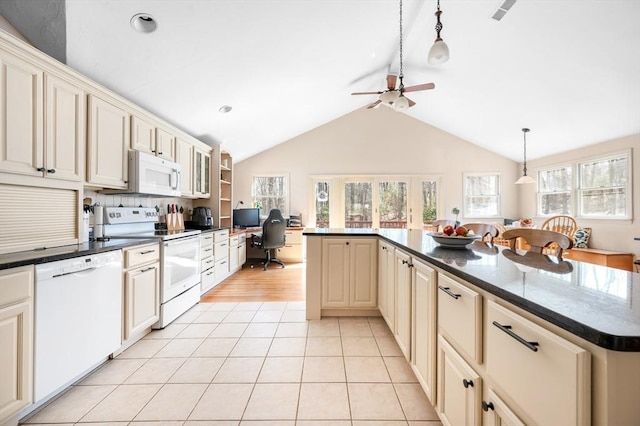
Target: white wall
606,234
377,141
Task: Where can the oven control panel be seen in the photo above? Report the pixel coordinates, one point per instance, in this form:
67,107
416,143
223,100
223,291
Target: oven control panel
116,215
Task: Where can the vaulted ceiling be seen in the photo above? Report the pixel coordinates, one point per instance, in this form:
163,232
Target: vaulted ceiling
567,69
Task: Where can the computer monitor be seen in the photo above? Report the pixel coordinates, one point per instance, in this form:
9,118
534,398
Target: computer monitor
246,218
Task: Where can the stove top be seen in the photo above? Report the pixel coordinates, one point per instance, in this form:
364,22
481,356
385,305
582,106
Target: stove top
139,222
161,234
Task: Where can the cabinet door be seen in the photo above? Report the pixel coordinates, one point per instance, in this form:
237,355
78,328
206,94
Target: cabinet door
363,277
202,174
142,299
108,144
184,157
234,258
165,145
335,272
143,135
21,134
423,325
65,134
497,413
459,388
382,278
391,289
403,303
242,254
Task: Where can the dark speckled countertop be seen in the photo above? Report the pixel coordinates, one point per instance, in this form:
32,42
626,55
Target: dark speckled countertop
34,257
596,303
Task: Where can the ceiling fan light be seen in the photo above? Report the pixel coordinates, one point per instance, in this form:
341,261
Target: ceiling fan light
401,104
439,52
389,96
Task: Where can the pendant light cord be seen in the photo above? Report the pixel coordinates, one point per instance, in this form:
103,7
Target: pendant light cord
524,131
401,68
438,23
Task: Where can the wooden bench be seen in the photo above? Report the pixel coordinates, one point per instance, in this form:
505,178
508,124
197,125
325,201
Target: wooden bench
612,259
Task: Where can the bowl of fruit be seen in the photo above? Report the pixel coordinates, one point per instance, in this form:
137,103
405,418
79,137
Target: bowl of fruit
451,237
526,222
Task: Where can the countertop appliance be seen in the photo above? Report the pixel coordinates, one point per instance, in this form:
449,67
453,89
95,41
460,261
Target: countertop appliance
78,319
151,176
201,217
179,257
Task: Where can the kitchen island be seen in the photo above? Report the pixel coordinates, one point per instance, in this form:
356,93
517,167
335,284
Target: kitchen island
589,310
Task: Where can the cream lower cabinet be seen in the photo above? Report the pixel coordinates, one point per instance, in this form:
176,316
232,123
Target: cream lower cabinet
403,275
108,144
207,263
292,250
237,252
349,272
386,279
16,342
497,412
221,254
424,327
141,290
459,388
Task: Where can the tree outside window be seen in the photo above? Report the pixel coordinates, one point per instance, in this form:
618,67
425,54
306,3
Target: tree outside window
604,187
271,192
554,191
482,195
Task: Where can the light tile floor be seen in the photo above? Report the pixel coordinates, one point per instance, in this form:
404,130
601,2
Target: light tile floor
251,364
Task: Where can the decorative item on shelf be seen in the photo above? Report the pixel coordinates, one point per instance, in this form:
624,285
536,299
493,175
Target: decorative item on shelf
525,178
526,222
439,52
456,211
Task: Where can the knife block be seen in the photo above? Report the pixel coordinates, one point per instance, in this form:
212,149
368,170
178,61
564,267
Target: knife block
175,221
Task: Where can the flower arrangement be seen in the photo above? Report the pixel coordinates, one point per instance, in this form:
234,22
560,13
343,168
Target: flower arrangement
456,211
526,222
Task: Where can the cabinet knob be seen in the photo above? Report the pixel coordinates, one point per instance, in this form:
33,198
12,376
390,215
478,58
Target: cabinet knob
486,406
40,169
467,383
347,242
159,152
404,262
51,171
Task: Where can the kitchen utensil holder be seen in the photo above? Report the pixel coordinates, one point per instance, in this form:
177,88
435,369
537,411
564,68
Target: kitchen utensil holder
175,221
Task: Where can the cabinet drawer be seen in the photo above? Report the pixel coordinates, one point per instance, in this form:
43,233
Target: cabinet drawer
207,263
221,269
141,255
293,237
207,279
219,236
206,252
460,316
16,284
291,252
547,376
221,250
233,241
206,240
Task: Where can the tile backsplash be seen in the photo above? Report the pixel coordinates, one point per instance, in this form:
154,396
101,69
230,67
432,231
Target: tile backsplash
136,201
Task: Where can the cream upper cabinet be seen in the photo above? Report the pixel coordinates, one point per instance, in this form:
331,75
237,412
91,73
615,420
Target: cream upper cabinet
185,157
146,137
65,130
21,124
43,125
108,144
402,332
349,272
202,173
16,341
424,327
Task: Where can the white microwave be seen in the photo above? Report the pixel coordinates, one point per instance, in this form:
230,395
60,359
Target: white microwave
150,175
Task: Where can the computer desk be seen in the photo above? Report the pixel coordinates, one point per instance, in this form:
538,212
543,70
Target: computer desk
293,251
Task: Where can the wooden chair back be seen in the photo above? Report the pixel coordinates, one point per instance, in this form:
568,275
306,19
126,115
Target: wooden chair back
564,224
487,231
539,239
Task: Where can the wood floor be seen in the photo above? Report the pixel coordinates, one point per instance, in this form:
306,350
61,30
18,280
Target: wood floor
276,284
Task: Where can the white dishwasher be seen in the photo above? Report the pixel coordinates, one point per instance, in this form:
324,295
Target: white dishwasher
78,318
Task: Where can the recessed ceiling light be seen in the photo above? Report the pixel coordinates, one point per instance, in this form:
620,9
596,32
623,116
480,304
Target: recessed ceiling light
143,23
225,109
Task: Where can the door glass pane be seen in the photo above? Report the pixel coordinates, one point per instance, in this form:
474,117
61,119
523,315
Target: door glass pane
429,203
357,205
392,204
322,204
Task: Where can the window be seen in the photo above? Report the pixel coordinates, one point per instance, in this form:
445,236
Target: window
322,204
429,201
392,204
604,188
482,195
554,191
357,205
271,192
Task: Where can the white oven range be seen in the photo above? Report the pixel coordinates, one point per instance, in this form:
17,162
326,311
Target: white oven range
179,257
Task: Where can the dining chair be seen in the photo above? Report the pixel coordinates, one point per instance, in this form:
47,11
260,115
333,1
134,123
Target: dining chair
438,225
539,240
562,223
486,230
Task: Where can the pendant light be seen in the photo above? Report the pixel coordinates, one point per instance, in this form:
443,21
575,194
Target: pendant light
525,178
439,52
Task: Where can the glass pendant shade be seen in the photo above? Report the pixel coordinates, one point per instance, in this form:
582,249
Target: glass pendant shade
439,52
525,179
401,104
390,96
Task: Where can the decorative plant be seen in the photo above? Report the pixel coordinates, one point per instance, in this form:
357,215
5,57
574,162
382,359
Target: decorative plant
456,211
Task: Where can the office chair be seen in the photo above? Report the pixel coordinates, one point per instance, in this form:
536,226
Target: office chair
272,237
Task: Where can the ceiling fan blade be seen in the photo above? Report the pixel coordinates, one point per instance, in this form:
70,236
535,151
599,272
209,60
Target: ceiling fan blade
375,104
366,93
391,81
411,103
419,87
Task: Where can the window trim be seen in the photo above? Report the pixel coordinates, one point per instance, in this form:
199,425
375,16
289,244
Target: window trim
465,197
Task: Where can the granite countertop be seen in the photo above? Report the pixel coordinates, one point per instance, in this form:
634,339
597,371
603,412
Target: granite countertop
52,254
596,303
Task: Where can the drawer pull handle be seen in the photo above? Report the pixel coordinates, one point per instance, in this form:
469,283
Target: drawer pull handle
147,252
507,329
148,269
486,406
449,292
210,273
467,383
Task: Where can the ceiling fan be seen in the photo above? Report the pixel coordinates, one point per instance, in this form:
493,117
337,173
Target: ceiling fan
392,96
